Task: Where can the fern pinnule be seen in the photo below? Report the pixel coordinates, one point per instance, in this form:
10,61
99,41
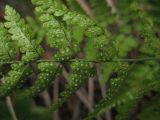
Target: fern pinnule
8,47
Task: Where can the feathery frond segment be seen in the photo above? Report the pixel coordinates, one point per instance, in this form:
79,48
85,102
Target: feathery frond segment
22,35
47,74
17,74
81,71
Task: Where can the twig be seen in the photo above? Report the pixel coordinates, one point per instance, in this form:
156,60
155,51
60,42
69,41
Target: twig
91,91
108,113
46,98
55,94
79,93
86,8
111,3
84,100
76,111
10,105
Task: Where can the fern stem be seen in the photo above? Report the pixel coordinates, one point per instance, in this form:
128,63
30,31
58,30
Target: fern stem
94,61
10,106
111,3
11,109
86,8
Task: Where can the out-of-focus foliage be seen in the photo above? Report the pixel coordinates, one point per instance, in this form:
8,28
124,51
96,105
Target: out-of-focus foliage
150,110
25,110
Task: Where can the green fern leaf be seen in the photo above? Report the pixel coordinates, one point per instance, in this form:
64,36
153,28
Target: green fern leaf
22,35
48,73
17,74
117,84
81,71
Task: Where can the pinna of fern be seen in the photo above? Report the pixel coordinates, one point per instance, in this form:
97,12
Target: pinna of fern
48,73
81,71
58,35
117,84
16,75
19,70
22,35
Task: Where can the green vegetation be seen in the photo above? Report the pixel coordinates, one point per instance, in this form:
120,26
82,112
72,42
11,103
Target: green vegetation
119,48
